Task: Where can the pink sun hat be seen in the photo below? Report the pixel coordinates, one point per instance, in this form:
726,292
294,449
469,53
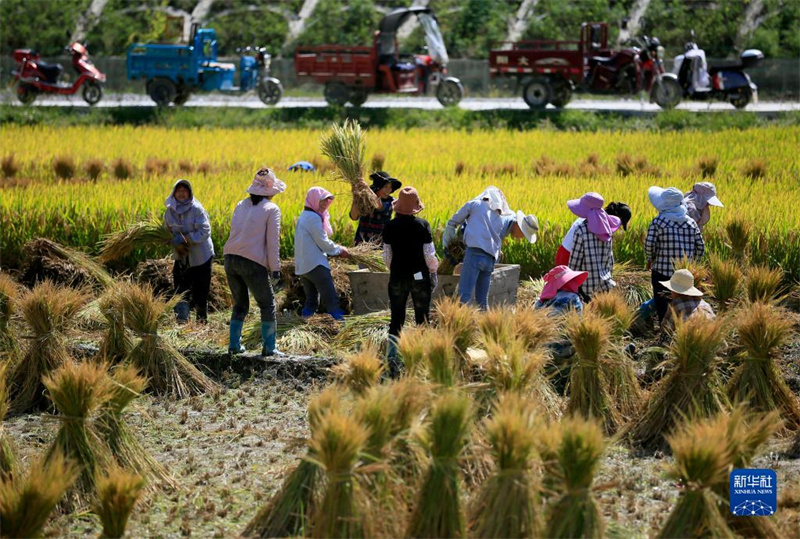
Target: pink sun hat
599,223
559,277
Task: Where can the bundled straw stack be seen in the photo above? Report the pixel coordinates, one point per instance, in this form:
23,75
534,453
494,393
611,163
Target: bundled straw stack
117,341
117,494
48,260
7,459
142,234
360,371
345,146
9,294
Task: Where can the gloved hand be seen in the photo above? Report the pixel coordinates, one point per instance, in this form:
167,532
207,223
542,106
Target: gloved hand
448,236
434,281
276,279
178,240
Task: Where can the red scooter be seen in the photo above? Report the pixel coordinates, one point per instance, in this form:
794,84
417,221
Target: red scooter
34,76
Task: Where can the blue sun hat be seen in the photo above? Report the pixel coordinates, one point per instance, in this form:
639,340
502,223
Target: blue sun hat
304,166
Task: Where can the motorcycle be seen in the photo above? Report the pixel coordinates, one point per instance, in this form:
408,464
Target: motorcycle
662,87
33,76
731,83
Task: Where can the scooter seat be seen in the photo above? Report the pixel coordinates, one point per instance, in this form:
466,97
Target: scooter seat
605,60
51,72
403,66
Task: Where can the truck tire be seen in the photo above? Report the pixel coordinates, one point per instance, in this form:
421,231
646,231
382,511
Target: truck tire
337,93
358,96
92,92
666,93
26,93
450,92
742,99
270,91
162,91
562,94
537,93
182,96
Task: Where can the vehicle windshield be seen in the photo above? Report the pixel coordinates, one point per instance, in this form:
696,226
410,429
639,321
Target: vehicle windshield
433,39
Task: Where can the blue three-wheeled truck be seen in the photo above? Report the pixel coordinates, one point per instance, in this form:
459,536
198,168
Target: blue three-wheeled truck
173,72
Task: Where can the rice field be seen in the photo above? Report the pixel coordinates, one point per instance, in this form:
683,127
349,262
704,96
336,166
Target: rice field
48,191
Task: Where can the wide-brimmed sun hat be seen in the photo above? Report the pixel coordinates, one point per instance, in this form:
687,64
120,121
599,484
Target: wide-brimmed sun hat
381,178
408,202
682,282
556,278
265,184
582,206
665,199
708,192
529,225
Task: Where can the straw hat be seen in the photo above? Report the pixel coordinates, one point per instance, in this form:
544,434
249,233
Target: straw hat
529,225
408,202
266,184
682,282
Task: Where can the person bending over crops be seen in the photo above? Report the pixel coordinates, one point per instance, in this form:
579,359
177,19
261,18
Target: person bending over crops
617,209
488,220
370,227
699,201
252,258
312,247
192,249
411,258
560,291
686,300
592,249
672,235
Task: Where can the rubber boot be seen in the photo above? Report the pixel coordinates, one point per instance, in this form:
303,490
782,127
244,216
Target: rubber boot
235,342
337,314
392,361
182,312
269,334
306,312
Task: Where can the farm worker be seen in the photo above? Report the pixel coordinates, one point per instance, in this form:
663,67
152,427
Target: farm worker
617,209
252,259
672,235
370,227
699,201
410,255
686,300
560,291
592,250
192,249
312,247
488,220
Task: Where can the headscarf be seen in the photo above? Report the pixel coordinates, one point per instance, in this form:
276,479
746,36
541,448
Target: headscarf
496,200
314,196
599,223
698,200
176,205
669,203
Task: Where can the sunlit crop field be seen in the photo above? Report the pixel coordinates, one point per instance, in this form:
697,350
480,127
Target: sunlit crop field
755,172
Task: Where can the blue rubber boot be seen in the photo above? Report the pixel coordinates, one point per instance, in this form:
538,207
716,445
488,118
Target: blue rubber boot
235,339
306,312
269,334
337,314
182,312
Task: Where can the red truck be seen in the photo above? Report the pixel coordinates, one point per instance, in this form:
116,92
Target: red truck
548,71
351,73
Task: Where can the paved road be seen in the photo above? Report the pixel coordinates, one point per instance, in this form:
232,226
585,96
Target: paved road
424,103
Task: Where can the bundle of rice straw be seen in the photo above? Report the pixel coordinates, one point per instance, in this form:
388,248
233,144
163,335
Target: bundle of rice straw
506,504
726,281
78,391
8,461
360,371
407,457
127,385
345,146
571,450
763,284
438,512
47,259
458,319
26,502
168,371
148,233
359,331
117,341
589,392
117,494
368,255
288,512
50,312
9,293
536,327
758,381
693,388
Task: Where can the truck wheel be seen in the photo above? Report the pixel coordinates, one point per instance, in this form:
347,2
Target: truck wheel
92,92
182,96
26,93
450,92
742,99
537,93
270,91
162,91
562,94
666,93
358,96
337,93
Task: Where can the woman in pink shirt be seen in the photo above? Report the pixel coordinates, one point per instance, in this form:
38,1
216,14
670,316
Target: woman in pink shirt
252,259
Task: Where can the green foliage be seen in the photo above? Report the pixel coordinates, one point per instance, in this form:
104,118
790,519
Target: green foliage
554,19
476,25
342,23
233,21
43,26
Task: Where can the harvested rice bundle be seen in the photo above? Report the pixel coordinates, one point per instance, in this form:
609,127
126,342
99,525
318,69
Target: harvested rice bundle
117,341
148,233
48,260
438,512
535,326
8,461
411,349
763,284
612,306
346,146
458,319
126,386
762,330
589,392
369,255
78,391
571,450
440,357
702,459
50,312
496,325
506,504
288,512
739,232
726,281
9,294
336,444
693,386
360,371
407,457
117,494
367,330
168,371
26,502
